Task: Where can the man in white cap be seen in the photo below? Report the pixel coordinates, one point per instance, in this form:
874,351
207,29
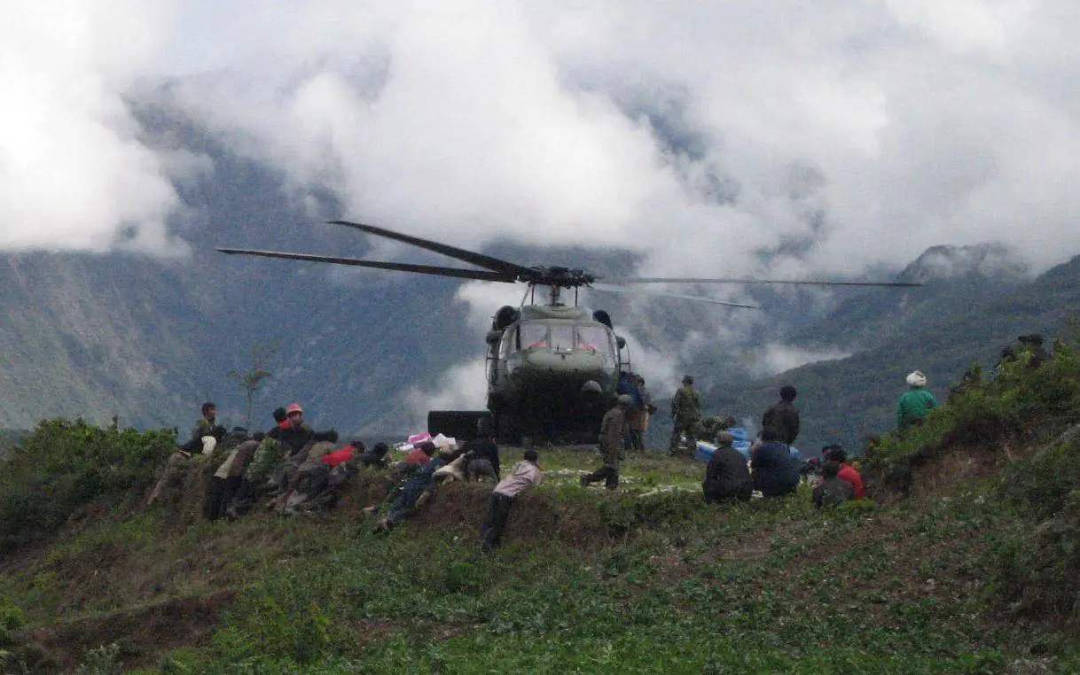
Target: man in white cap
916,403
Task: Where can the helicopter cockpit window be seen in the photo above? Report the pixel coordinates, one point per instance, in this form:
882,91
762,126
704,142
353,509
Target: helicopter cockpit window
594,339
562,338
565,337
534,335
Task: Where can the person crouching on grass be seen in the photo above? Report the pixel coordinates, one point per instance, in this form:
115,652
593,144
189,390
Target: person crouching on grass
524,475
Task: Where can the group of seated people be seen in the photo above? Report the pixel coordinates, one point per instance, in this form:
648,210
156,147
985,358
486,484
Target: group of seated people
774,471
292,468
426,466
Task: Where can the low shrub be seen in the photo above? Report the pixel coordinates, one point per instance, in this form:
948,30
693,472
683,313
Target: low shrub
1042,484
63,466
11,620
1019,401
1039,572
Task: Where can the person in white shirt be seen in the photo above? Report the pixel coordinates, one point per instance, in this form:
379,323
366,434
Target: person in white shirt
524,475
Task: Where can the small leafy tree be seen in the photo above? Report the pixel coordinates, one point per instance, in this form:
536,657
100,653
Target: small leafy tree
253,379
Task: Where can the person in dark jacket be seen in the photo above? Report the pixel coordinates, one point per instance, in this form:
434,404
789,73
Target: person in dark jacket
483,453
204,438
376,456
845,472
207,426
405,501
726,477
294,434
783,417
833,490
774,471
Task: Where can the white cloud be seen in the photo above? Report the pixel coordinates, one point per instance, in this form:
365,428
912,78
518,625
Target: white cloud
73,171
461,387
695,133
659,367
776,358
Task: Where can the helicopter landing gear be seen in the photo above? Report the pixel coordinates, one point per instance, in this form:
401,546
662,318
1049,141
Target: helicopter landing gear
507,427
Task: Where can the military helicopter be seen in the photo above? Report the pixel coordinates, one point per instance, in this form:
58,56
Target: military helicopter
552,369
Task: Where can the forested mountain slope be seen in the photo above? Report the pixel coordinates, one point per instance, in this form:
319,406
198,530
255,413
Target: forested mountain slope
848,399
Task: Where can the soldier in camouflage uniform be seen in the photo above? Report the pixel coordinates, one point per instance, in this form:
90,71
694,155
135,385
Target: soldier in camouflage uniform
613,432
686,415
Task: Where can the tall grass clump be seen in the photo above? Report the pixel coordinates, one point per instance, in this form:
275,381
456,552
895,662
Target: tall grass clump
63,466
1040,570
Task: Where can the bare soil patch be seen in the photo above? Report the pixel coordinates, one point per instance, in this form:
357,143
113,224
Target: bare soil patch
143,633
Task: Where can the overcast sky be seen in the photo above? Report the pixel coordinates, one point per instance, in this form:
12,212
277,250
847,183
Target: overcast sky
847,133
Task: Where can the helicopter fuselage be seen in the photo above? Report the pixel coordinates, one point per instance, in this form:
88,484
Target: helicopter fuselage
552,372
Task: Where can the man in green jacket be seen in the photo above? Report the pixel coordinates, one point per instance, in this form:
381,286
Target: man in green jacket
915,404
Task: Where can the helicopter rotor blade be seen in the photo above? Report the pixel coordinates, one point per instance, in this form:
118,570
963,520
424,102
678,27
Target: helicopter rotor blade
501,266
603,288
480,275
726,280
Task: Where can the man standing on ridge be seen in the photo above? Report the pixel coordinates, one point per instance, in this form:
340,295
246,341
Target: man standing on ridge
206,427
916,403
783,416
686,415
204,438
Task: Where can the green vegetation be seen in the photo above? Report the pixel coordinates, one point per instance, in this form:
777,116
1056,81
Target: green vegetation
253,379
978,570
1020,404
1023,423
65,466
9,438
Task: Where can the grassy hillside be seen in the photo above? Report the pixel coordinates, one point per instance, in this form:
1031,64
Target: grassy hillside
976,570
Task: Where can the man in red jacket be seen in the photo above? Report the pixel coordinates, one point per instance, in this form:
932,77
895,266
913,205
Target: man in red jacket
847,472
